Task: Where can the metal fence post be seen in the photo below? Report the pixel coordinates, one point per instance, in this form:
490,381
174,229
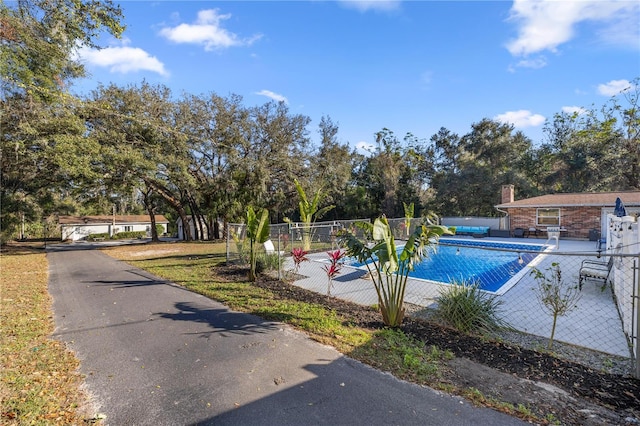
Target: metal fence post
637,312
279,257
227,242
291,238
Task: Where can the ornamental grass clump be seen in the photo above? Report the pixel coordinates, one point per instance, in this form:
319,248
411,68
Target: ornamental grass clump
388,265
463,306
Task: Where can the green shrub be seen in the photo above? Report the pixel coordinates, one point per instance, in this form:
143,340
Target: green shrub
465,307
100,236
270,261
260,265
242,248
129,234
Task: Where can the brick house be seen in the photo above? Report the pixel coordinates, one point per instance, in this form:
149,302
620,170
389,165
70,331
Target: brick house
578,215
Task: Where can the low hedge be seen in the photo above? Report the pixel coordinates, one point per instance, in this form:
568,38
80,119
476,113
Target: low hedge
129,235
100,236
119,236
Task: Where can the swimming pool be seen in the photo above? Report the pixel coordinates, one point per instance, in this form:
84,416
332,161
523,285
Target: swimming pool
476,261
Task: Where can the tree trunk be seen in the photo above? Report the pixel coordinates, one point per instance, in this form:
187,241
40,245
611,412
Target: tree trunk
194,220
202,225
148,203
553,330
173,202
216,229
209,226
196,217
154,230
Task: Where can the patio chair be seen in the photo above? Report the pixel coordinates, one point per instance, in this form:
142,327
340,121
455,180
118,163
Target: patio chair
596,270
518,232
553,233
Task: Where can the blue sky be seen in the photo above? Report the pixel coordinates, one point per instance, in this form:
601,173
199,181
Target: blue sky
409,66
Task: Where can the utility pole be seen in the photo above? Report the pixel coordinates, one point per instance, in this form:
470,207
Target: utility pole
113,222
22,226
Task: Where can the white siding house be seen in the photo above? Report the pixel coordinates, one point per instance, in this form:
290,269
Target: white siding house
181,232
76,228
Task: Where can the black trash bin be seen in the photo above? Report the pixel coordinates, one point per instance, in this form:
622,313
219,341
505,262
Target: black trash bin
594,235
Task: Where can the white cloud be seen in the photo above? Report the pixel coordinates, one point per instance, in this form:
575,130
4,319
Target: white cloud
536,63
626,31
546,24
521,118
275,96
573,110
122,59
614,87
377,5
365,148
207,31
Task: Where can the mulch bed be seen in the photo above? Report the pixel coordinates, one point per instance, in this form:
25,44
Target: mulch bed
609,390
605,389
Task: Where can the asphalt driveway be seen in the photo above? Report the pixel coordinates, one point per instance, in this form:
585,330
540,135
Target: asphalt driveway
156,354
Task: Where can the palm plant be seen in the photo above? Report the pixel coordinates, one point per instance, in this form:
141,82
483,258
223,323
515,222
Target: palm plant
257,233
389,269
309,212
408,215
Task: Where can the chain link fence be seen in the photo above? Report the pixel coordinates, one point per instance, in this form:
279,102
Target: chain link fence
283,238
600,293
528,280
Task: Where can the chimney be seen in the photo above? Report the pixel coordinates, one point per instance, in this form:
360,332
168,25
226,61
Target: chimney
507,194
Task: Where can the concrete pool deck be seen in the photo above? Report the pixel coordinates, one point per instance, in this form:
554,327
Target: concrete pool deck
594,324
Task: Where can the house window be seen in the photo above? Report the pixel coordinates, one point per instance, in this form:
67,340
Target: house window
548,217
128,228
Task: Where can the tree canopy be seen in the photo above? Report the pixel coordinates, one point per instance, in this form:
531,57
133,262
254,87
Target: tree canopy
44,154
207,157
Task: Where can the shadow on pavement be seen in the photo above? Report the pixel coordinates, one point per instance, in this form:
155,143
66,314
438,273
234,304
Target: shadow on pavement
344,392
220,320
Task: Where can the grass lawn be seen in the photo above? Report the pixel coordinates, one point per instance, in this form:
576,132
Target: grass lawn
39,383
192,265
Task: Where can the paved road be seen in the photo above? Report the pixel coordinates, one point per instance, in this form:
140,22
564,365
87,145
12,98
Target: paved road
156,354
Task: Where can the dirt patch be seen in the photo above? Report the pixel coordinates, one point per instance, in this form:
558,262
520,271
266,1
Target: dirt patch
543,399
551,388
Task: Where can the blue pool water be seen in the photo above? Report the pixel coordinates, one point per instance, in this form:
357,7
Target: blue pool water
491,269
